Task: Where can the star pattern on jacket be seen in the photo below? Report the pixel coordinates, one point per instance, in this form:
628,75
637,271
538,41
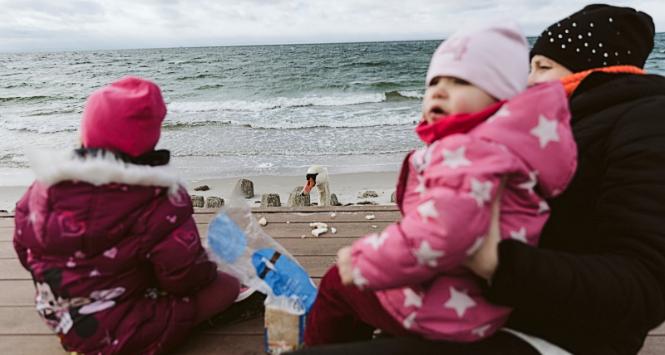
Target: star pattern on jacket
455,158
426,255
503,112
422,159
481,191
409,320
531,183
519,235
543,207
459,301
421,189
545,131
428,210
480,331
376,240
411,298
358,279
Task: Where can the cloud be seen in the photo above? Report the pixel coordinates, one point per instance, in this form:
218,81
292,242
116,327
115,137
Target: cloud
98,24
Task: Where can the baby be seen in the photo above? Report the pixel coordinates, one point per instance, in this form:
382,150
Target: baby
482,130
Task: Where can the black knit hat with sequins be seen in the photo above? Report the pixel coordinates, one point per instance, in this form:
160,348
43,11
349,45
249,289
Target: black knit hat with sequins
598,36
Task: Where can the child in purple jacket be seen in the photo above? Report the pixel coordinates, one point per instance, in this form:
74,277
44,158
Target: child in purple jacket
108,235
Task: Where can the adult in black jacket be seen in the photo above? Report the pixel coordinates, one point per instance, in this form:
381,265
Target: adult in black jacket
596,284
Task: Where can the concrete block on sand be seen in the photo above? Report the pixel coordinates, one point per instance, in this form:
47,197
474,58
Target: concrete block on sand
270,200
214,202
296,198
247,188
197,201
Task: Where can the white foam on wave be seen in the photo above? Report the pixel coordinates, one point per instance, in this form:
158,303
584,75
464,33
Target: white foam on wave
411,94
41,124
298,118
275,103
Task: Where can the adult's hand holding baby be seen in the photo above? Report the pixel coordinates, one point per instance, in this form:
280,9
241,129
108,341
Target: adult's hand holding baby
345,266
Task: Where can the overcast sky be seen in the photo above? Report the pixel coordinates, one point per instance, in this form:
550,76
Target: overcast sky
44,25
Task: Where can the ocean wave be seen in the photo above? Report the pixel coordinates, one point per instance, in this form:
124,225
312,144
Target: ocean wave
257,122
36,124
275,103
210,87
403,95
13,161
262,152
292,102
371,63
199,76
48,111
24,99
16,86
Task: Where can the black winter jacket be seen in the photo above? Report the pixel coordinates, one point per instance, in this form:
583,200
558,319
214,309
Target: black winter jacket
596,284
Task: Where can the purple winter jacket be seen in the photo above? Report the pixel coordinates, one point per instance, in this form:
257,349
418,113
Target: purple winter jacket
114,253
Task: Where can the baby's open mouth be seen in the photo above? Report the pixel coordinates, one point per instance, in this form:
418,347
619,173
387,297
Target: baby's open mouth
437,111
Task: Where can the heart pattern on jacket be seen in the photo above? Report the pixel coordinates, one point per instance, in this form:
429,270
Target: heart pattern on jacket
69,226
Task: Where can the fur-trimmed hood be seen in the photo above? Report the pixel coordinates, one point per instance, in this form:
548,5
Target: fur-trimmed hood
51,168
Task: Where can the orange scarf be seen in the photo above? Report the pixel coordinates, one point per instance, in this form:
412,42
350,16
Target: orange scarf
572,81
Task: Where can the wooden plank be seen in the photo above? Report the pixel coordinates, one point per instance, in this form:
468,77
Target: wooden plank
11,269
200,344
17,293
197,344
316,266
297,230
654,345
25,320
7,250
37,338
22,320
354,208
204,344
327,244
358,216
8,220
281,230
22,293
30,344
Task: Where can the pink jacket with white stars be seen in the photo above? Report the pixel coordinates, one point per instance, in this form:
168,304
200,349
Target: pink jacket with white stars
415,265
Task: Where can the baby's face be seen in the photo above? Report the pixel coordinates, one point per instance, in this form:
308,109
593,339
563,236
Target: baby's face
447,95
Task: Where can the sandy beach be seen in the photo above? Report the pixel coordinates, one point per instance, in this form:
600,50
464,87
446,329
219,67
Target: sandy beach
347,187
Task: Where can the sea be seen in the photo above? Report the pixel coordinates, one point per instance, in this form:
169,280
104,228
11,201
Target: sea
236,111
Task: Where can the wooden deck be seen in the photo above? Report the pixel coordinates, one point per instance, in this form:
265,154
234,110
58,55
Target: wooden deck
22,332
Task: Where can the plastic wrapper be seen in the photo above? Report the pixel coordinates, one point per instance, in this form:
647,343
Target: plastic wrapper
241,248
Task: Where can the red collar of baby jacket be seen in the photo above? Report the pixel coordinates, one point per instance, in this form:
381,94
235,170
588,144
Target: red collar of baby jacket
457,123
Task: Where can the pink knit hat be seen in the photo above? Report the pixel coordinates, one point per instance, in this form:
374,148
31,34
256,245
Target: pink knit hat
125,116
494,58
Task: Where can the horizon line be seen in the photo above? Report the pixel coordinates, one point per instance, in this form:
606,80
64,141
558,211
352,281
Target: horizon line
232,45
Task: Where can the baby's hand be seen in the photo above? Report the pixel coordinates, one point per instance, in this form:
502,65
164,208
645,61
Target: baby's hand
344,265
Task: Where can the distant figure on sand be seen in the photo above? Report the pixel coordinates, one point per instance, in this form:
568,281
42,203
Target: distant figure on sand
107,233
482,131
317,175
